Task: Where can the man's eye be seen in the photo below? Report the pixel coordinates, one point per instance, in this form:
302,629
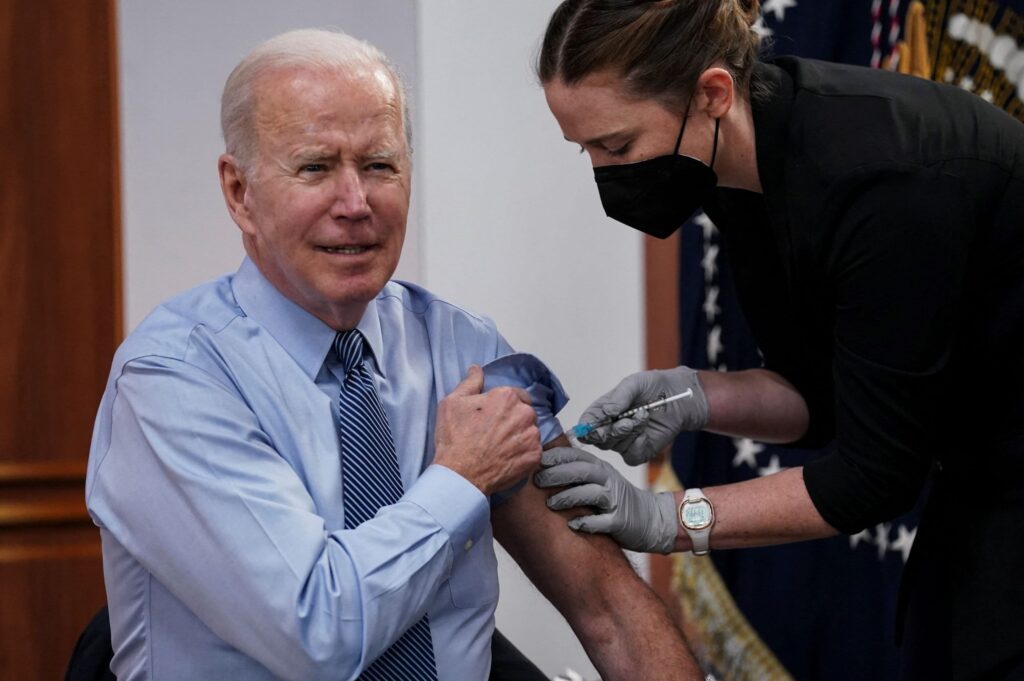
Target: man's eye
314,168
380,166
621,151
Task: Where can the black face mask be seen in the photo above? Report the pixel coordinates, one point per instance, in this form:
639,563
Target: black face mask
656,196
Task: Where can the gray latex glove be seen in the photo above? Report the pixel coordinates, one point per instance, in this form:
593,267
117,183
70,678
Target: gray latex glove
637,519
640,437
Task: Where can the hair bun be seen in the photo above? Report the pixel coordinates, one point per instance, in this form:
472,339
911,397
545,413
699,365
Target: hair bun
750,9
658,48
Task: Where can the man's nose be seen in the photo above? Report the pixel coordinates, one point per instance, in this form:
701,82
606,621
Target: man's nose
350,202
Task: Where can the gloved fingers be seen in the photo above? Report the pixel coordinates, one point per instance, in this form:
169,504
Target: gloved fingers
596,412
622,444
559,455
627,426
639,450
597,437
581,495
627,394
571,473
603,523
607,437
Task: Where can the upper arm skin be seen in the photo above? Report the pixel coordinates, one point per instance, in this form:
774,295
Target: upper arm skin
624,627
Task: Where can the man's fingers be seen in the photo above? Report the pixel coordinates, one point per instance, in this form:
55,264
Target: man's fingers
523,396
472,384
582,495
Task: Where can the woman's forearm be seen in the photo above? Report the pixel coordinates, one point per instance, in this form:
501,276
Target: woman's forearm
756,403
774,509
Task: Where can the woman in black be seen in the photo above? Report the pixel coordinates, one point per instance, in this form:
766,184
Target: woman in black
875,223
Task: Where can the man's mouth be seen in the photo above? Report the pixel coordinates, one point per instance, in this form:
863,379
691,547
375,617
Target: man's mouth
344,250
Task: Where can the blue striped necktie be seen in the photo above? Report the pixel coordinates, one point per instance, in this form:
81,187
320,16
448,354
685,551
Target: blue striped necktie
370,480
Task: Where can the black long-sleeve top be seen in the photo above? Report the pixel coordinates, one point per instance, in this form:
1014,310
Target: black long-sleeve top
889,287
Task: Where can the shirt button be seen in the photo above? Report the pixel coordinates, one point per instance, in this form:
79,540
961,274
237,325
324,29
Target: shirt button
468,545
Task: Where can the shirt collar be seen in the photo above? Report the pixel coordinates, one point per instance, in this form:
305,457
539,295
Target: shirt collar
771,130
303,336
369,326
771,122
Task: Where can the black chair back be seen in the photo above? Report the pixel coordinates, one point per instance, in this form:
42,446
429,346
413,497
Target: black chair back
90,660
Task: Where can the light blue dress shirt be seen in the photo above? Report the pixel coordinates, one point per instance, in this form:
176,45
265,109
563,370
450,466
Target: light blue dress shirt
215,479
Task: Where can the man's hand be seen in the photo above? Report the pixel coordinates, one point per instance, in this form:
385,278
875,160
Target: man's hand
637,519
639,438
490,439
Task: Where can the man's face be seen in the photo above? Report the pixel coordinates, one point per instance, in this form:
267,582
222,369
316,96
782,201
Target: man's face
323,206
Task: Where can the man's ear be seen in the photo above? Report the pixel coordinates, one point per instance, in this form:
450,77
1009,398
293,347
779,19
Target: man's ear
234,185
715,91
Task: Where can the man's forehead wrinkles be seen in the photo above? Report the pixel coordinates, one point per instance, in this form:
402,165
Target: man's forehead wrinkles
327,118
310,123
313,153
333,145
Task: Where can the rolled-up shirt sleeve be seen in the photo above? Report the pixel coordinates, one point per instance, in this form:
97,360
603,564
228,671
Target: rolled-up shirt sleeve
526,371
194,490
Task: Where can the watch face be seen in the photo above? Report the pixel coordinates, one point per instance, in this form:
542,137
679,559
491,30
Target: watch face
697,514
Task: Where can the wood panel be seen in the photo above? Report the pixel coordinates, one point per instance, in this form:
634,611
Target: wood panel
60,282
59,257
50,571
661,295
661,314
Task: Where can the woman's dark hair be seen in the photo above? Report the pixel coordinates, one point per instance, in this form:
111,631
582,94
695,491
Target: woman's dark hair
658,47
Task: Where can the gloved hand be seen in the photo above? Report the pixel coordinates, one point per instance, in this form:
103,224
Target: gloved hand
640,437
637,519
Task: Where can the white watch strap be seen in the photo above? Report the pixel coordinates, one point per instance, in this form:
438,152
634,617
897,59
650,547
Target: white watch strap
699,536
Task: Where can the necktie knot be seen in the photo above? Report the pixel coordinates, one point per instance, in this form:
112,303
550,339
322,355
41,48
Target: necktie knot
348,345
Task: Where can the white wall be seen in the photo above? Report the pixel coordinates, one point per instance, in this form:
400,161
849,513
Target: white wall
513,227
506,218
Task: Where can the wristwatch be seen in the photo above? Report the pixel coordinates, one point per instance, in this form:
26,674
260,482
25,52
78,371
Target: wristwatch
697,516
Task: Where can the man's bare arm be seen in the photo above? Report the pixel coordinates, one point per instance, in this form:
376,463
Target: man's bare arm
623,625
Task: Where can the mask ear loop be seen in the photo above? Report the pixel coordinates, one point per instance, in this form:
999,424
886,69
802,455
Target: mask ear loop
680,138
714,147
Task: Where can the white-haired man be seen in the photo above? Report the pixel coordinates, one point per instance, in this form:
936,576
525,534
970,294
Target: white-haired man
296,468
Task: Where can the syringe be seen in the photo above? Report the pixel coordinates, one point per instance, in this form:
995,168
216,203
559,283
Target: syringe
583,429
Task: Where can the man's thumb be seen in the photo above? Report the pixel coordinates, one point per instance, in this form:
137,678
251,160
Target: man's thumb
472,384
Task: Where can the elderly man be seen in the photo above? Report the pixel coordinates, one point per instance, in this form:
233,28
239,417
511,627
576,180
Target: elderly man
296,468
